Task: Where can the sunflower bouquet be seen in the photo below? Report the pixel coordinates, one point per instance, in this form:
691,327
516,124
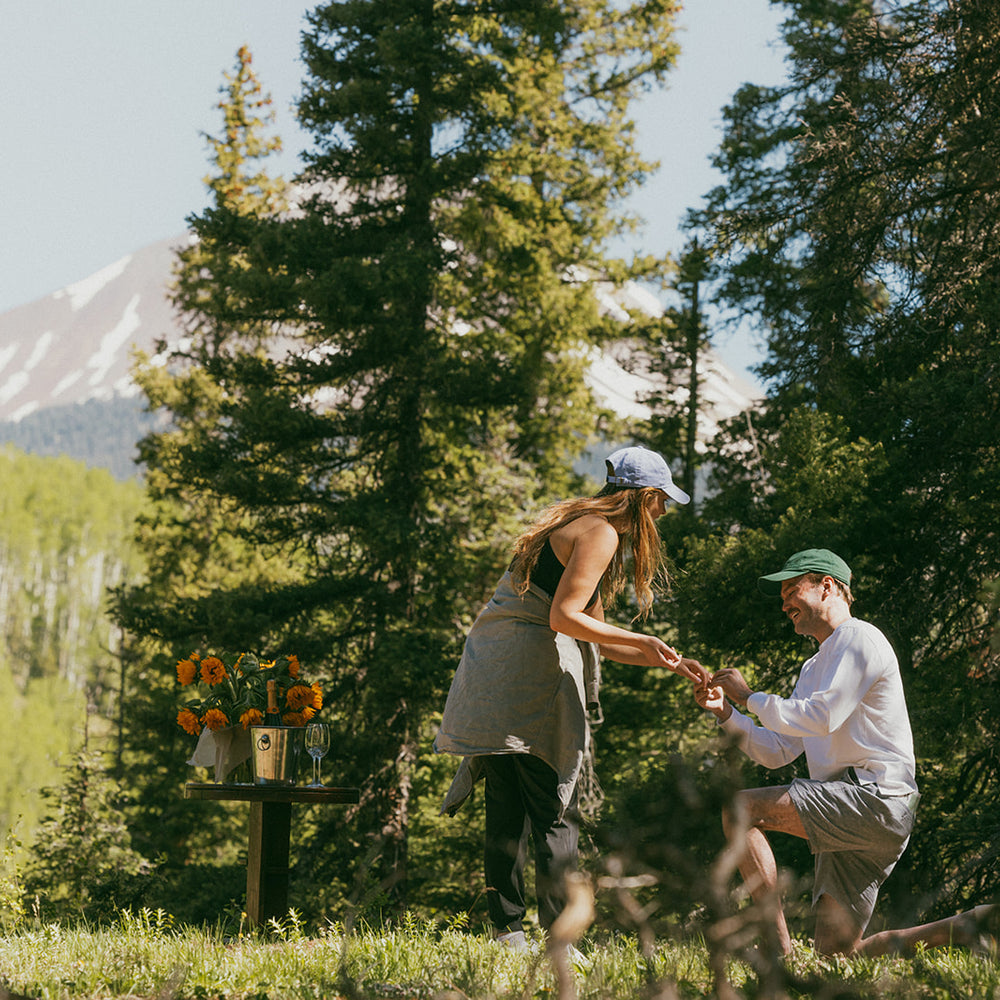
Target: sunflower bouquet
231,689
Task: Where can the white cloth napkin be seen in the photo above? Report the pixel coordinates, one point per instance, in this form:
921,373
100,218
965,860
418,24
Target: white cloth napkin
223,749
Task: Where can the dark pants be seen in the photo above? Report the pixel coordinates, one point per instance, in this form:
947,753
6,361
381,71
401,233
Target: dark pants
521,799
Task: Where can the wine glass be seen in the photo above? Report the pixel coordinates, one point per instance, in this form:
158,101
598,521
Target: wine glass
317,741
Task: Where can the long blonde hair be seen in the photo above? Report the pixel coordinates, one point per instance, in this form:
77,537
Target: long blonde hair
627,510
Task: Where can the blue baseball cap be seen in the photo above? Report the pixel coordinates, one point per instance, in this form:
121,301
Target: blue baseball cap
638,467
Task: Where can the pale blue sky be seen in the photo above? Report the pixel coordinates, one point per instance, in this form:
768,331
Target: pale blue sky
104,104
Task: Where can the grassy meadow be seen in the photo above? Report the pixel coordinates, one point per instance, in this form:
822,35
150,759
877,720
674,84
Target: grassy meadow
148,956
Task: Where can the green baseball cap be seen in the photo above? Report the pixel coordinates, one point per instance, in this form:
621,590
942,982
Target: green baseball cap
807,561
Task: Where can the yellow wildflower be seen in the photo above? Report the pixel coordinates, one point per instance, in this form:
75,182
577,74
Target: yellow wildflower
215,718
188,721
293,666
251,717
293,719
317,702
186,671
213,671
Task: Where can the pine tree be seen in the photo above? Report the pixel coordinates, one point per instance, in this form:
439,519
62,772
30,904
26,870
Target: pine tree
190,537
83,845
430,304
858,220
677,345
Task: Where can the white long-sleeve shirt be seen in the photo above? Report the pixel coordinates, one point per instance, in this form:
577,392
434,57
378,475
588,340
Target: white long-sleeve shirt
847,710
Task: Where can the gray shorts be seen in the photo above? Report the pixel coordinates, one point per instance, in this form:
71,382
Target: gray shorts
857,837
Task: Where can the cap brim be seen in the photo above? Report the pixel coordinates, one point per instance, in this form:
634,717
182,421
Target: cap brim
771,584
676,494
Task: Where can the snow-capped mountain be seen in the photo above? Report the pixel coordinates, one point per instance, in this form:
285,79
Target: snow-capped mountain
75,347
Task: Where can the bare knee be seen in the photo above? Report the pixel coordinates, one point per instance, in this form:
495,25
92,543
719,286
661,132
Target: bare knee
736,815
766,809
837,932
834,943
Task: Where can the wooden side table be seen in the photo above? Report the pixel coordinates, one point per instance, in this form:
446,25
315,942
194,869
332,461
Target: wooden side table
270,832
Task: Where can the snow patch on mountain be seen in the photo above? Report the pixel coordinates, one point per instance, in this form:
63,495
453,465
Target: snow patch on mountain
24,411
13,386
39,351
7,353
66,382
616,388
111,345
80,293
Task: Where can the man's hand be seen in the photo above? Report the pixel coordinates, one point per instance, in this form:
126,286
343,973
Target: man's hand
712,699
734,687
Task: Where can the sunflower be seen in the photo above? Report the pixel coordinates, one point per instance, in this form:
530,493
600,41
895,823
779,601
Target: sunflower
232,690
298,696
186,671
213,671
215,718
251,717
188,721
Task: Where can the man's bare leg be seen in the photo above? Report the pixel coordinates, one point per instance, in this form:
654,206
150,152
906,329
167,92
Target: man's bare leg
976,928
837,930
764,809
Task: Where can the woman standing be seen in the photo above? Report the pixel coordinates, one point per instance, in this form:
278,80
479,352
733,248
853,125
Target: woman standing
530,671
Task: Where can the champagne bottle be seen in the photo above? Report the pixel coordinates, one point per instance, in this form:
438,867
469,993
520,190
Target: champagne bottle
272,717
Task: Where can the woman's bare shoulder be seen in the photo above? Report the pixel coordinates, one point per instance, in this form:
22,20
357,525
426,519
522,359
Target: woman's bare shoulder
585,524
589,529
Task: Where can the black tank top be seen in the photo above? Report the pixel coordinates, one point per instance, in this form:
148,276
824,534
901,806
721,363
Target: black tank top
548,572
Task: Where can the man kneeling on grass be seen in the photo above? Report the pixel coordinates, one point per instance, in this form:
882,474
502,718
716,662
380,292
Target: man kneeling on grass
847,714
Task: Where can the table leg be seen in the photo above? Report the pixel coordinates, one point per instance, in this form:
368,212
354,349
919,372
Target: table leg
267,861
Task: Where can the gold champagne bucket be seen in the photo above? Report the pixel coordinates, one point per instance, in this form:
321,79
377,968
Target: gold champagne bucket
276,754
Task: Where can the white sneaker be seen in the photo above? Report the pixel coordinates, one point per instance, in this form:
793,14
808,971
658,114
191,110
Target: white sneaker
515,940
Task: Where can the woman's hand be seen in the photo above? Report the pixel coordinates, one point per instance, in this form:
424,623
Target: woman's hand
654,652
672,660
693,671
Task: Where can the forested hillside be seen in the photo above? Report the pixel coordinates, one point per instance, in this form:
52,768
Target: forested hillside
102,433
65,538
